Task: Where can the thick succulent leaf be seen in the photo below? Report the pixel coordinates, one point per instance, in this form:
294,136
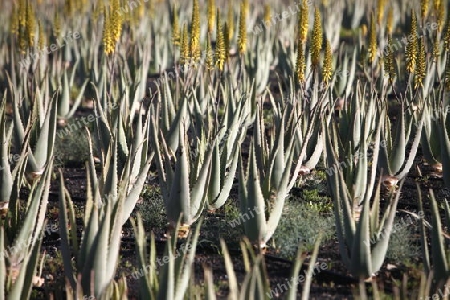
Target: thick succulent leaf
440,264
215,172
134,193
173,136
398,155
423,236
310,272
380,248
412,153
255,226
6,179
64,232
361,258
227,183
232,279
180,197
114,240
85,262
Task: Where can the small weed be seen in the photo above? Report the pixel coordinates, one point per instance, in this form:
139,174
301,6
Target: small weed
152,208
301,224
317,202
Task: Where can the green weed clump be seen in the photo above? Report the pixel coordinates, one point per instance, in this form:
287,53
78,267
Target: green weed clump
301,223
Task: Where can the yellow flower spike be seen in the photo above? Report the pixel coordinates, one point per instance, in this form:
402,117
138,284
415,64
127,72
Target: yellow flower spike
151,8
42,39
390,61
140,12
267,13
220,44
175,27
195,32
373,41
107,35
380,11
211,15
31,25
116,24
421,64
56,25
411,47
209,55
424,6
242,38
390,21
437,4
184,51
230,22
300,66
440,15
14,25
246,7
303,22
69,7
327,67
226,40
22,13
316,41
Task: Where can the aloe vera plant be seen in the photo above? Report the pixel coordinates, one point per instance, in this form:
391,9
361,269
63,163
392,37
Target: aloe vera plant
182,186
123,180
363,236
98,254
392,158
354,133
226,150
269,175
20,241
41,128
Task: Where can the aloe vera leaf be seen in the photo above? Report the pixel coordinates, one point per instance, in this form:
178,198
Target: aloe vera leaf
255,226
64,231
180,196
228,181
380,248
